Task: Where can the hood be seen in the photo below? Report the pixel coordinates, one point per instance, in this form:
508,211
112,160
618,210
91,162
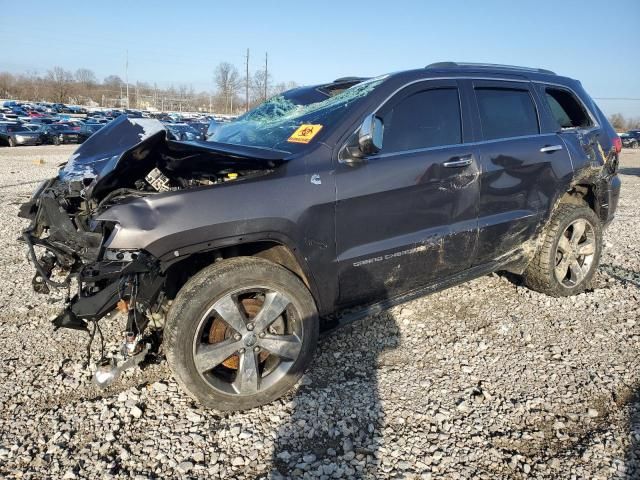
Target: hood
130,147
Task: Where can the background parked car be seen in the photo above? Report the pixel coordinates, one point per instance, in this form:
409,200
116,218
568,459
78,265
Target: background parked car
88,129
182,132
631,139
61,133
17,134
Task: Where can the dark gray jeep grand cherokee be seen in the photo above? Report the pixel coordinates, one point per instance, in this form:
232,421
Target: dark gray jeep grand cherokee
350,196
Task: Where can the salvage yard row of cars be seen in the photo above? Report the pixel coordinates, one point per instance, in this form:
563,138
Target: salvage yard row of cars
53,124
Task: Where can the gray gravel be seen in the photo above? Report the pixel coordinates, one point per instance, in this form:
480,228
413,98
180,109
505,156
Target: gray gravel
484,380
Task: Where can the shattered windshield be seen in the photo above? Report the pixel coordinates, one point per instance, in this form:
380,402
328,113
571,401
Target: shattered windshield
281,124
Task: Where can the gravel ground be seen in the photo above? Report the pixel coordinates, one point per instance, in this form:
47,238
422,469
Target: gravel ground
484,380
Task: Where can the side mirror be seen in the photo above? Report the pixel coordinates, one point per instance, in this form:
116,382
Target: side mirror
367,141
370,135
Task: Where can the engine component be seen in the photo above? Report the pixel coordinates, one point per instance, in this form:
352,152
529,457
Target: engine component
158,180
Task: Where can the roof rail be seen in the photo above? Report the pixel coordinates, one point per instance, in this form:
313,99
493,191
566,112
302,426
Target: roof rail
487,66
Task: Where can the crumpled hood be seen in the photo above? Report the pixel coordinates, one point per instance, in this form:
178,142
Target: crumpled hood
124,146
101,150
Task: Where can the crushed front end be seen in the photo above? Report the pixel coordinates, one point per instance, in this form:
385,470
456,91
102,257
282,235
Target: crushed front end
66,246
72,226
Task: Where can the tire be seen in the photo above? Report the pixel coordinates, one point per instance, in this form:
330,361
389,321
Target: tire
635,145
557,250
197,335
11,142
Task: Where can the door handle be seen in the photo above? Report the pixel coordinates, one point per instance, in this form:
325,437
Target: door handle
551,148
458,162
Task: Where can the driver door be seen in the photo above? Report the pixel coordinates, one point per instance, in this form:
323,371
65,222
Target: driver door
407,215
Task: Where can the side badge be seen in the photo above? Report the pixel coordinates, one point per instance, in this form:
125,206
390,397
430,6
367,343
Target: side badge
315,179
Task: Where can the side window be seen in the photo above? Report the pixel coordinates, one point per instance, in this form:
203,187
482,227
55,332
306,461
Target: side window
429,118
566,109
506,112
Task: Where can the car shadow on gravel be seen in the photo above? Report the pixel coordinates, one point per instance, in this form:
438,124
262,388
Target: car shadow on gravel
621,274
632,457
629,171
336,422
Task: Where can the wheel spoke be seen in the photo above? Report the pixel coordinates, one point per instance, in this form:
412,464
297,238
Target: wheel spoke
283,346
578,230
562,268
587,247
577,273
246,382
564,245
211,355
274,305
228,310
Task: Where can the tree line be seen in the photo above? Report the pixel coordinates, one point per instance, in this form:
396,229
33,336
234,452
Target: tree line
622,124
82,87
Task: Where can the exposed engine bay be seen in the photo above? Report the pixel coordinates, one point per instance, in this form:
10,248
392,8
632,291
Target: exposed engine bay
128,159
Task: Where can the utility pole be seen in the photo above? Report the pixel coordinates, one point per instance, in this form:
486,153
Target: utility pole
266,73
247,83
126,76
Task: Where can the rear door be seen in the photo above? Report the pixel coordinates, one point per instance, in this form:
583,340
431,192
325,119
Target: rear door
522,168
407,216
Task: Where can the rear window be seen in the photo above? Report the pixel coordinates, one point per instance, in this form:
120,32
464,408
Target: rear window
567,111
426,119
506,113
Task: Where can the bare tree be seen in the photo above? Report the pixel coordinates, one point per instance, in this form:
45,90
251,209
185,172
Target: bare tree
618,121
227,82
259,84
7,82
61,81
86,77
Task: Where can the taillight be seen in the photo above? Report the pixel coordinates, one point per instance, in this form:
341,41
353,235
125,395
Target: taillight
617,143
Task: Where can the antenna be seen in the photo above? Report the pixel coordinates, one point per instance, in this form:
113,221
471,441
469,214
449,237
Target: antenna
126,76
266,73
246,84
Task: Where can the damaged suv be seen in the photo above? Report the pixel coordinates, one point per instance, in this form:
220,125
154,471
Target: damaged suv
365,193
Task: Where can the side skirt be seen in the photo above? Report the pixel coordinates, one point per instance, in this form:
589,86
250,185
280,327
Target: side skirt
343,318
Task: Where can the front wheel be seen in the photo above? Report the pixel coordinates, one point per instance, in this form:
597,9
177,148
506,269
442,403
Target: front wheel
12,143
568,258
240,333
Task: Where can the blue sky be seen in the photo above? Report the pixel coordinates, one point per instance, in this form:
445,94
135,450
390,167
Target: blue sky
311,42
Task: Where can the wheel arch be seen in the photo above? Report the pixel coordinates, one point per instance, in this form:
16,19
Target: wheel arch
278,251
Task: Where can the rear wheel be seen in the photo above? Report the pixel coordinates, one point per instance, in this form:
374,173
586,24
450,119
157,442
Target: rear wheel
240,333
635,144
570,253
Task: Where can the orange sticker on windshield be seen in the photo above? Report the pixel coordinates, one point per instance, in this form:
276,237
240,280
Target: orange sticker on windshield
304,133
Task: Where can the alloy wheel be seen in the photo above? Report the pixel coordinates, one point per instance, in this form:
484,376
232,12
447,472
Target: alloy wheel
575,252
247,340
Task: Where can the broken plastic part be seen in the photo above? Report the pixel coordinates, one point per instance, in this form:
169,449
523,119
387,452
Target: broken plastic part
108,370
